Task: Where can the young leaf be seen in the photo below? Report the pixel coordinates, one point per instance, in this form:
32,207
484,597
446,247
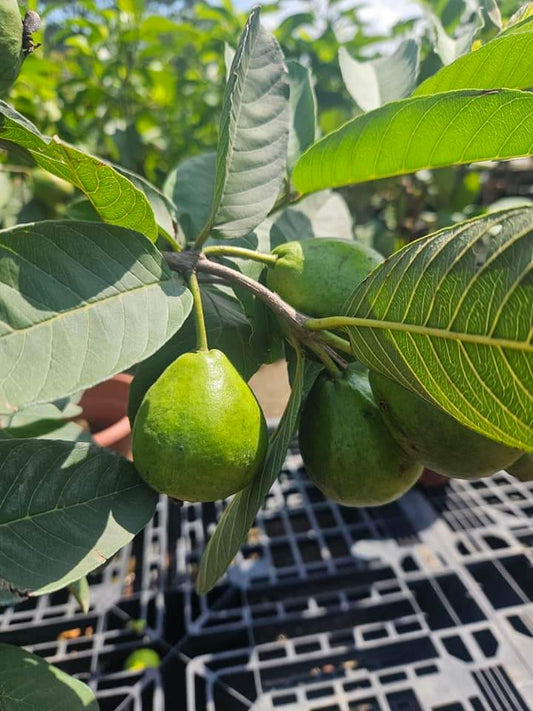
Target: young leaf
303,111
419,133
376,82
254,129
29,682
191,186
450,318
65,509
503,63
237,519
81,302
113,196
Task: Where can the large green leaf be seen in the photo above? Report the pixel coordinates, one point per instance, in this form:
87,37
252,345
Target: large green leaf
239,516
114,197
29,683
503,63
254,130
376,82
420,132
65,509
81,301
450,316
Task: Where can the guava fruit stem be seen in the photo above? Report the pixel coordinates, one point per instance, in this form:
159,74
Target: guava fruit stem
225,251
199,320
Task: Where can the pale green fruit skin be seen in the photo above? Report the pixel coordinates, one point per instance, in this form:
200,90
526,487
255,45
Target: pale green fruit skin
346,447
437,439
522,469
317,276
10,44
199,434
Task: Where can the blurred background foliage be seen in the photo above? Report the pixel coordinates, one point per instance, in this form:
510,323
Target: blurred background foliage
140,83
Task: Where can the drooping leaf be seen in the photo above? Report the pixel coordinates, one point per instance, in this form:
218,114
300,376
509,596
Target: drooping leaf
82,592
239,516
303,111
449,48
28,682
254,129
376,82
80,302
418,133
191,186
64,510
113,196
504,62
450,316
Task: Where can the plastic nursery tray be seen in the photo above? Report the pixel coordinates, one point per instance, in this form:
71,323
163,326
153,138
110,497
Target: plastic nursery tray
424,604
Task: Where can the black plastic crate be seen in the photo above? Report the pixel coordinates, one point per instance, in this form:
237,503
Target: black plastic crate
422,604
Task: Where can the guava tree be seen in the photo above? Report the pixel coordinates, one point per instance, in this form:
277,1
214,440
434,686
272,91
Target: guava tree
219,260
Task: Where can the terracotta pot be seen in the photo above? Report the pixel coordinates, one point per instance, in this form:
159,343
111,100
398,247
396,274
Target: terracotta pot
431,480
104,408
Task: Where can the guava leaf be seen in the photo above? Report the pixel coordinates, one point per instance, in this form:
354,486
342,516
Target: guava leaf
505,62
322,214
114,197
450,317
239,516
376,82
254,130
28,682
81,591
303,111
65,509
81,302
191,186
418,133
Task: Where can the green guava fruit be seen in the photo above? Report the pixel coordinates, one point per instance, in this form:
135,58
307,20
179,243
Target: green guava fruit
200,434
50,189
11,55
346,447
523,468
142,659
317,276
228,329
435,438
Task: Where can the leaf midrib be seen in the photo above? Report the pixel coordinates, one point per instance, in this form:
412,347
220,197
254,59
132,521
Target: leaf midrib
62,509
349,321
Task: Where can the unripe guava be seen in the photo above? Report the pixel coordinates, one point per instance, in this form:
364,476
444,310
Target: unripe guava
200,434
317,276
437,439
346,447
523,468
11,55
230,334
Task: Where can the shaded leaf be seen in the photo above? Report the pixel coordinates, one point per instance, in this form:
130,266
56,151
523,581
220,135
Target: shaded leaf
65,509
376,82
450,316
29,682
81,302
113,196
239,516
303,111
191,186
323,214
419,133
